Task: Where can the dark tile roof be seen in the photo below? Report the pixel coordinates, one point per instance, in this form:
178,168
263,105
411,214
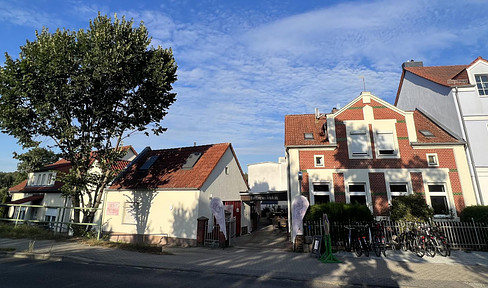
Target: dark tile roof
167,171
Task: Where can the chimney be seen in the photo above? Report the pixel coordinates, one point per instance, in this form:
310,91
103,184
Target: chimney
413,63
334,110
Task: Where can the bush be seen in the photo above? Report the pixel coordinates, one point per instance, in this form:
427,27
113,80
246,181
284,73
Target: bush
9,230
477,213
411,208
339,212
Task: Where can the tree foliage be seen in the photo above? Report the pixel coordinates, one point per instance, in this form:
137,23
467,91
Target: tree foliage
411,208
87,90
477,213
35,159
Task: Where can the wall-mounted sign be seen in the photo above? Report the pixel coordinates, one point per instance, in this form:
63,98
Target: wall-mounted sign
113,208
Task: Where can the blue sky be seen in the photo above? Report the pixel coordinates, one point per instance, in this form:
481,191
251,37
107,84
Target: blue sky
244,65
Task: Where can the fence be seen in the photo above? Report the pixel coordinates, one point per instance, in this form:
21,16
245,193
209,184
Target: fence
461,235
213,237
44,216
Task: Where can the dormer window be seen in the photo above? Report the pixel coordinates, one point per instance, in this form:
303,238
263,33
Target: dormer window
482,84
41,179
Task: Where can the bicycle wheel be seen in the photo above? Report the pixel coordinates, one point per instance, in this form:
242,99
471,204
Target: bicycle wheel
377,247
442,249
356,247
365,248
419,248
430,248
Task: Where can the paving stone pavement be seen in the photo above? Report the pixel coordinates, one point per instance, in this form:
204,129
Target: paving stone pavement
274,260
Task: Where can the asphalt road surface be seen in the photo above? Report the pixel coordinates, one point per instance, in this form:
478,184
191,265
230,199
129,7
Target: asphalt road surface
17,273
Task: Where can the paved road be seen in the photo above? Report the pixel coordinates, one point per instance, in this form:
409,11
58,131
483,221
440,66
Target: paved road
19,273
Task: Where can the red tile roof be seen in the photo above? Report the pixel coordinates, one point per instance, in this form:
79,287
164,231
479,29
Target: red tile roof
32,198
297,125
444,75
168,172
63,166
449,76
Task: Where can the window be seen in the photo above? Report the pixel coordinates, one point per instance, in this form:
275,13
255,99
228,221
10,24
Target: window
226,170
308,136
482,84
130,212
149,162
358,143
398,189
385,144
357,193
319,160
438,199
432,160
427,133
321,193
50,216
42,179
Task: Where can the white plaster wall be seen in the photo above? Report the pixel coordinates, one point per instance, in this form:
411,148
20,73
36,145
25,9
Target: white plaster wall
435,99
483,180
478,138
225,186
267,176
173,212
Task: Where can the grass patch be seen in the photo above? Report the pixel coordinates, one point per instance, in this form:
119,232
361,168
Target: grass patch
136,247
9,230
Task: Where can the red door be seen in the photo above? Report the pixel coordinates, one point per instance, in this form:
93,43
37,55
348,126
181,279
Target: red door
236,211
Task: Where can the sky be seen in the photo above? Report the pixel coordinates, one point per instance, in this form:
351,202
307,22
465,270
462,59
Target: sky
244,65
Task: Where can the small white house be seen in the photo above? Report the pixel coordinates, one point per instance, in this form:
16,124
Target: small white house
162,193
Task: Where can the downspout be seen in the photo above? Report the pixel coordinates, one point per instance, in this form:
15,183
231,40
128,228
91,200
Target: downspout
288,182
471,162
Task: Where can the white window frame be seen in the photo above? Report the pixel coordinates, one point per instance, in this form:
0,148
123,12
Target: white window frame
322,193
483,84
365,194
128,217
444,194
315,157
380,147
355,136
392,194
436,164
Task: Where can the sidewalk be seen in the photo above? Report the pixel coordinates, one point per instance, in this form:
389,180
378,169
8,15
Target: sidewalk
397,269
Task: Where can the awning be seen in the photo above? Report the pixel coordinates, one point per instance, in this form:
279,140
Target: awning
27,199
265,196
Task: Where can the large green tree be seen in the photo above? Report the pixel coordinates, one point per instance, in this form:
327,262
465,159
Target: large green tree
87,90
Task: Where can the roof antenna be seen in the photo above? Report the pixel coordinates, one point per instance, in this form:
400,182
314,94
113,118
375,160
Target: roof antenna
364,83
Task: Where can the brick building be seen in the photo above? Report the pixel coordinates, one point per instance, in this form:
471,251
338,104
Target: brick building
370,152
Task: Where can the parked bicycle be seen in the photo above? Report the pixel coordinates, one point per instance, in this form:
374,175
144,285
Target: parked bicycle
379,243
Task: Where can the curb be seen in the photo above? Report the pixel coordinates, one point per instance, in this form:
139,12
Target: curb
32,256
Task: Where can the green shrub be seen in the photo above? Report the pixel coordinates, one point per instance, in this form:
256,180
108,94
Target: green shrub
339,212
411,208
9,230
476,213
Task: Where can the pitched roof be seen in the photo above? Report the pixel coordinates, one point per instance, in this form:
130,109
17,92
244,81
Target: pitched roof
168,172
444,75
297,125
63,166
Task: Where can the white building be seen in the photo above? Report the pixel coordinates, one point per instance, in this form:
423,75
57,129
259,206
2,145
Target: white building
457,97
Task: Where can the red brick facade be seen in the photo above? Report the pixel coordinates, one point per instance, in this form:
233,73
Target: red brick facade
410,158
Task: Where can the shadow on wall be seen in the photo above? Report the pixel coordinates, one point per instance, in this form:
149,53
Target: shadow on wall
184,224
140,203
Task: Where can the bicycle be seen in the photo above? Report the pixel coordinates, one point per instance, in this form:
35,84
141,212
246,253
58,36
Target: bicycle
379,240
360,245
